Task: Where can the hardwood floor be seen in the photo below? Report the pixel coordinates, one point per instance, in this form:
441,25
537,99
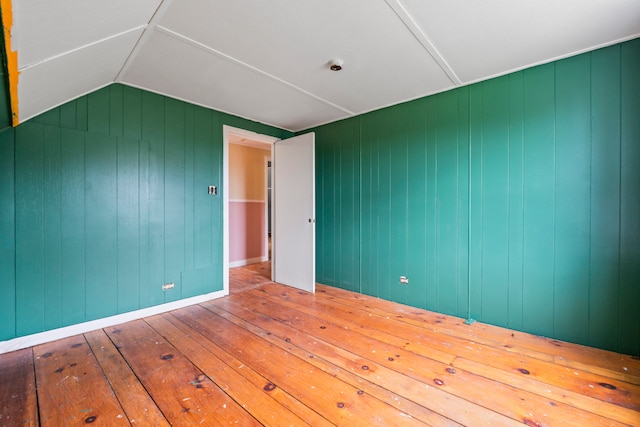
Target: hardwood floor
273,355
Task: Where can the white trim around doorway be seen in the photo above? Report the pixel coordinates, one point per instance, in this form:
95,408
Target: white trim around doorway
229,132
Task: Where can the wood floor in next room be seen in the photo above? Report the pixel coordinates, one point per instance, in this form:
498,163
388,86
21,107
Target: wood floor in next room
272,355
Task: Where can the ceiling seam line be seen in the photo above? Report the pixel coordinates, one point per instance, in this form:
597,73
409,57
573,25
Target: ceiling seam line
88,45
144,37
422,38
246,66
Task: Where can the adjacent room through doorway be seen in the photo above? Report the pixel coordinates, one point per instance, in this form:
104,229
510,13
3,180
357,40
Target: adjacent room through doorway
246,205
247,200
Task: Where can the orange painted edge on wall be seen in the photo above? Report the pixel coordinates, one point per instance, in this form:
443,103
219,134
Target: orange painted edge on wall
12,58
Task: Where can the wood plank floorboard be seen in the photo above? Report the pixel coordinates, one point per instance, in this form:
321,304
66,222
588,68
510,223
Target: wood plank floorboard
18,403
272,355
71,386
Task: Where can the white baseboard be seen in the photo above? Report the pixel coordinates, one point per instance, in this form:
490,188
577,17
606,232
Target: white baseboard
244,262
68,331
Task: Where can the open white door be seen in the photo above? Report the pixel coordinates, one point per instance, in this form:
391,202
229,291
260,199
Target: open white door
294,224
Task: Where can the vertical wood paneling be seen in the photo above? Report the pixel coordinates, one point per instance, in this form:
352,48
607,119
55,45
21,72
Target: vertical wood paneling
332,174
337,211
101,225
325,208
539,195
216,203
475,227
376,217
573,200
416,264
447,204
349,205
201,278
462,261
604,260
29,229
156,225
203,202
629,321
7,230
383,206
516,199
189,191
144,198
52,227
132,110
368,192
153,131
373,207
116,110
73,225
98,109
128,240
174,212
51,117
68,115
398,203
555,216
431,202
82,114
104,218
320,209
495,201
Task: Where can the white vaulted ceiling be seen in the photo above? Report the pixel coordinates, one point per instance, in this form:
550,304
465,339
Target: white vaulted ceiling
267,60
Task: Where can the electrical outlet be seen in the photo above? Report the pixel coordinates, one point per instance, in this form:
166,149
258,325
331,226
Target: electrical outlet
168,286
404,280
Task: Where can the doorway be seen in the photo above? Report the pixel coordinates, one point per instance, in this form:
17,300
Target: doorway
293,206
245,198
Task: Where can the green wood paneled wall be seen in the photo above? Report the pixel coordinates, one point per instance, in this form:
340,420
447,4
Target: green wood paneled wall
7,204
515,201
7,237
338,187
102,201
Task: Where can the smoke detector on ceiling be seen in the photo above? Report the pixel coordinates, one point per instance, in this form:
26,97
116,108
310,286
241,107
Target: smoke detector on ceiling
336,64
